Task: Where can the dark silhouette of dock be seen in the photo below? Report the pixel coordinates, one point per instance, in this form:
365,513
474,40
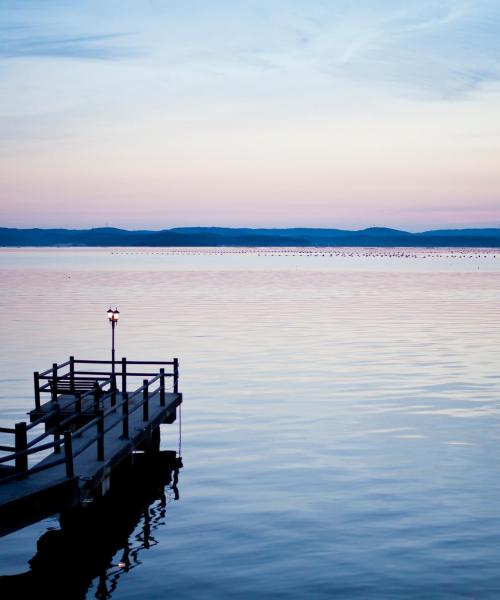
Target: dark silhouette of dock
97,544
92,425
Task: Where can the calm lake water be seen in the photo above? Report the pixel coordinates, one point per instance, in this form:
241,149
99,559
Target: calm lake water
341,417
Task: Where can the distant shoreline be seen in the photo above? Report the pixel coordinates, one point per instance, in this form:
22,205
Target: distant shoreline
184,237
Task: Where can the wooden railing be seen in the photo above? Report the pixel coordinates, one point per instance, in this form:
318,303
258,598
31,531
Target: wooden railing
78,380
97,394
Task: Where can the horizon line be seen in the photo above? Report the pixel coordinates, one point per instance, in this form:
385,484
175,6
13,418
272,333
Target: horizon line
251,228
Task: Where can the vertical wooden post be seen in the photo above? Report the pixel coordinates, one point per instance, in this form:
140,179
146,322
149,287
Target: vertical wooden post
100,436
54,382
176,375
125,415
57,437
68,454
72,374
162,387
97,391
145,397
124,375
21,446
36,381
78,403
113,389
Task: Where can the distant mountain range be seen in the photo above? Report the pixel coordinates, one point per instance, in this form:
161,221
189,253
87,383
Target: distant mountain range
221,236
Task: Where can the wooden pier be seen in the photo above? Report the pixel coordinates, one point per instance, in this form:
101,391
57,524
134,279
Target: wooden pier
92,424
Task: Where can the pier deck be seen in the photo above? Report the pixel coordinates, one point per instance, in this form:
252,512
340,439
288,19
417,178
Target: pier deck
94,430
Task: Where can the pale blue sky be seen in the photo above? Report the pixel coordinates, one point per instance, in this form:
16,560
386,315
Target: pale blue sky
250,113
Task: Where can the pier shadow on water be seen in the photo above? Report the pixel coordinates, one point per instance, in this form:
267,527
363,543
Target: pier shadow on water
96,545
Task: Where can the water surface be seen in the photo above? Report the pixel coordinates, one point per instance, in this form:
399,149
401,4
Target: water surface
341,424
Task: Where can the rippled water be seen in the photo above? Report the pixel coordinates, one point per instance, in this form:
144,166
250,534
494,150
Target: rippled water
341,424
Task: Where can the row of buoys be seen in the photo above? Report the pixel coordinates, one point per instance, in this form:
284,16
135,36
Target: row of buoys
295,252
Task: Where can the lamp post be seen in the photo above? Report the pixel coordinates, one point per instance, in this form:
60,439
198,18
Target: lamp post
113,316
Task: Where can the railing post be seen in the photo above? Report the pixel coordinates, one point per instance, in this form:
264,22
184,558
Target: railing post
78,402
57,437
100,436
176,375
68,454
145,397
162,387
54,382
36,381
72,374
21,446
113,389
124,375
125,415
97,394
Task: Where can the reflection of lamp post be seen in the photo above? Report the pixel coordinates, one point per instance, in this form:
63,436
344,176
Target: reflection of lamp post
113,316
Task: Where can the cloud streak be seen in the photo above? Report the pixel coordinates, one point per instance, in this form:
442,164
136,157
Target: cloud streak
24,41
443,51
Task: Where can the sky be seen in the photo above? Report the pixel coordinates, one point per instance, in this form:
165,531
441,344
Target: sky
275,113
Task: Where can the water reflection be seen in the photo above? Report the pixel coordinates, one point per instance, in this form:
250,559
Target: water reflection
97,544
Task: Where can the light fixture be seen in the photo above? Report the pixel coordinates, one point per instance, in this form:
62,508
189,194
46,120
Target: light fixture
113,316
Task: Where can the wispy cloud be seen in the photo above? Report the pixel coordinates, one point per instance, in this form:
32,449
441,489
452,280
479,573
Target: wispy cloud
442,50
25,41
